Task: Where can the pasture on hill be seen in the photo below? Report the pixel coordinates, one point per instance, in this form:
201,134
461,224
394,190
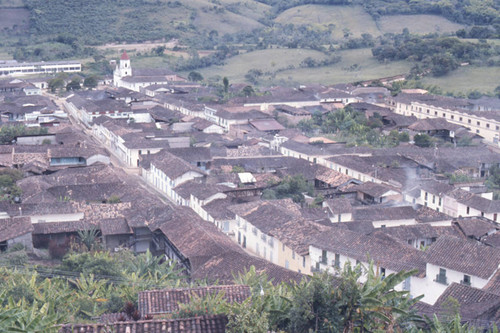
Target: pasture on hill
343,19
418,24
356,65
269,60
467,78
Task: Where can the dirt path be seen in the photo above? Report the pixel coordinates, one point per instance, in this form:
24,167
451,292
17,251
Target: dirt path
139,46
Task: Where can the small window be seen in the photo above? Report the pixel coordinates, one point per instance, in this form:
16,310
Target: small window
461,118
468,210
466,280
478,123
487,125
469,121
303,261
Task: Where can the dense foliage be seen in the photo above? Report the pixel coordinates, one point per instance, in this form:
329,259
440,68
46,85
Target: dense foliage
9,132
437,55
352,127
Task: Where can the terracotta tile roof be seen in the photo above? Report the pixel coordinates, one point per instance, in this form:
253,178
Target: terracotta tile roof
124,56
381,248
473,302
205,324
172,165
373,189
211,254
419,231
464,256
14,227
267,215
375,213
218,209
338,205
493,286
115,226
198,190
476,227
152,302
46,228
425,214
433,124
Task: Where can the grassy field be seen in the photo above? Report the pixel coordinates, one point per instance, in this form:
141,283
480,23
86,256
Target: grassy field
210,16
417,24
353,19
468,78
14,17
269,60
356,65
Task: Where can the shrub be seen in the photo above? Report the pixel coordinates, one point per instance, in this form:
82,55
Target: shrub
58,251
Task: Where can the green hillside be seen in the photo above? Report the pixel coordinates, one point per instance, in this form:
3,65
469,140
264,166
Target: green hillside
418,24
268,61
341,19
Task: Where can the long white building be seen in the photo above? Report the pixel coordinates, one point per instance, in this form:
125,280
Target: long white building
14,68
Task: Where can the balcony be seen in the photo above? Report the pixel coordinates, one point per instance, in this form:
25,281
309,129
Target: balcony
465,282
441,279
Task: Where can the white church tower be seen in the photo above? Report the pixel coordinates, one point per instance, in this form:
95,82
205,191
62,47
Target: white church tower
122,69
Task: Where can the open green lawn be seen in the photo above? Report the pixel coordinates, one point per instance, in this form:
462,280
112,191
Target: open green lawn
265,60
468,78
353,19
417,24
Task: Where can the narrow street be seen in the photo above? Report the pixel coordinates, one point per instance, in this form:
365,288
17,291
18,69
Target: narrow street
134,173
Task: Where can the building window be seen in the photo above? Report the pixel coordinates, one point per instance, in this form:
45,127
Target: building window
461,118
487,125
324,258
425,196
452,117
469,121
428,111
477,131
435,113
382,272
439,202
433,199
444,115
293,254
336,263
478,123
304,262
254,231
497,128
468,210
466,280
441,277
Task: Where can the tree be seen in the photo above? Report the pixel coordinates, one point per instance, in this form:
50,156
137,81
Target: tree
195,76
55,84
74,84
225,82
248,91
422,140
90,81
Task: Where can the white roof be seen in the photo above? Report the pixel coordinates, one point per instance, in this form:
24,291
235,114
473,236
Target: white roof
246,177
